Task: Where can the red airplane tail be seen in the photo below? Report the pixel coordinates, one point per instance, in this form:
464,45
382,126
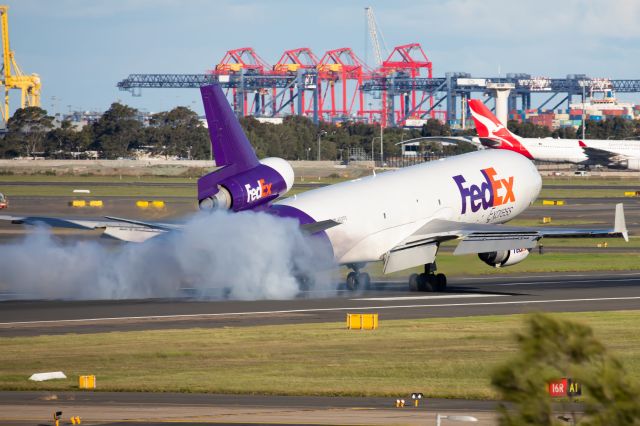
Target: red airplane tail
492,132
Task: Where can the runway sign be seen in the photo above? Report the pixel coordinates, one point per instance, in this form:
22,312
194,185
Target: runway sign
565,387
143,204
85,203
87,382
362,321
553,202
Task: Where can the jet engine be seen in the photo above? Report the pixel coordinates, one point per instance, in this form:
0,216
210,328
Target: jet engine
249,189
632,163
498,259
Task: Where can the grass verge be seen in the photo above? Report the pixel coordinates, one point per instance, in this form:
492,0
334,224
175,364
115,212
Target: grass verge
451,358
535,263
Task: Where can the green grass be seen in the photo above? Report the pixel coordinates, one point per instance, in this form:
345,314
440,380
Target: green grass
588,180
146,192
550,193
450,357
44,179
535,263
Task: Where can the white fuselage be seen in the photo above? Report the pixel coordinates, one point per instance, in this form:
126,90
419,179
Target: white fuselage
380,211
624,152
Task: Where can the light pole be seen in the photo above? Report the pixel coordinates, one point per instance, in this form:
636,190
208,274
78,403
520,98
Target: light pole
583,108
440,417
381,145
372,151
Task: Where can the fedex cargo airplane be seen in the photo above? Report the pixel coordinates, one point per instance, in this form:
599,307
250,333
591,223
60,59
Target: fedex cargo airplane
398,217
611,153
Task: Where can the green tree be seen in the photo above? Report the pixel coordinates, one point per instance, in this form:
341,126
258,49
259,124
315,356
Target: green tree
66,139
180,133
26,131
117,131
550,349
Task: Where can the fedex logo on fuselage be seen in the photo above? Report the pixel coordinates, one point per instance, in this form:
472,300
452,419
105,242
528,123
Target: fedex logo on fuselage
493,192
260,191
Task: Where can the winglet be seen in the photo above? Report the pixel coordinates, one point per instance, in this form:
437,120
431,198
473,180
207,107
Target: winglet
620,225
229,143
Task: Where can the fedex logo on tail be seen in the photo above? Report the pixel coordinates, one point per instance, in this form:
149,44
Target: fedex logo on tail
260,191
493,192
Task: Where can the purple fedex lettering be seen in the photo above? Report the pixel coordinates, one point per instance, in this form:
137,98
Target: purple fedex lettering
487,194
479,196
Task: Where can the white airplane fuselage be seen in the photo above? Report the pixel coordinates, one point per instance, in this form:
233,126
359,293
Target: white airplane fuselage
554,150
379,211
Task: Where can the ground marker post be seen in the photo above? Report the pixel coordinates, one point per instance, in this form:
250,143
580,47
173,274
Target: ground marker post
416,396
56,417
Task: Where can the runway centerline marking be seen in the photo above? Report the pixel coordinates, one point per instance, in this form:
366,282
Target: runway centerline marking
444,296
294,311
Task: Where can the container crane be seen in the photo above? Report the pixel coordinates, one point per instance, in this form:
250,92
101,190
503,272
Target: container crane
12,75
373,34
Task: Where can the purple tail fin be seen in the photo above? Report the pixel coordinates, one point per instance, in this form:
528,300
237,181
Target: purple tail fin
229,143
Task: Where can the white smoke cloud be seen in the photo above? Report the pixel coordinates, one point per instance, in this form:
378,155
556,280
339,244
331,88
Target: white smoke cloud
243,256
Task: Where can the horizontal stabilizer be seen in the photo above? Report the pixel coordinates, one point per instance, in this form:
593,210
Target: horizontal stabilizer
619,224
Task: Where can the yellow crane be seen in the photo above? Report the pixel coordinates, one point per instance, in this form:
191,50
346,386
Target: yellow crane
12,75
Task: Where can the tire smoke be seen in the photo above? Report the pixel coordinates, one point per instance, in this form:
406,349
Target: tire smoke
244,256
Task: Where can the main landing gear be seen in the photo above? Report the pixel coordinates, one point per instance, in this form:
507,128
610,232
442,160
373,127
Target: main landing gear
429,280
357,279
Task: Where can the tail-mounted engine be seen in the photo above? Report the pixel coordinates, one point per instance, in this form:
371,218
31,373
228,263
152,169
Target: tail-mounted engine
498,259
249,189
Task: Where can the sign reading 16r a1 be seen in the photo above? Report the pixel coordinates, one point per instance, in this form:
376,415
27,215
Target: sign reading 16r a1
564,387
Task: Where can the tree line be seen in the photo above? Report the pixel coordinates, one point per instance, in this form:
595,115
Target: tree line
180,133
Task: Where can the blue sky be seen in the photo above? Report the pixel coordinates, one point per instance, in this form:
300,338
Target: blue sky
82,48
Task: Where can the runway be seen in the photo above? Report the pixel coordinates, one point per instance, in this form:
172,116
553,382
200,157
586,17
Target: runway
472,296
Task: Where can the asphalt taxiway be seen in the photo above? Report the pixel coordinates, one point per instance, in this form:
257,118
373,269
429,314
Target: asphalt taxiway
127,408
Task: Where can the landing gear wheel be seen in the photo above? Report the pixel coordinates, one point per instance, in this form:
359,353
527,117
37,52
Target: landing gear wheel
430,283
304,282
425,282
365,280
441,282
352,281
413,282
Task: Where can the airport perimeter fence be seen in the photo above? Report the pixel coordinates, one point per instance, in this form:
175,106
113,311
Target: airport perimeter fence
406,161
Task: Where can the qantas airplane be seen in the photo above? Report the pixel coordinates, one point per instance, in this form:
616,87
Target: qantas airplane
610,153
398,217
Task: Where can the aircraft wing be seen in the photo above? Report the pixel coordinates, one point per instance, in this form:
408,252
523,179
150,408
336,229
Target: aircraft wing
131,230
599,156
121,229
421,247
